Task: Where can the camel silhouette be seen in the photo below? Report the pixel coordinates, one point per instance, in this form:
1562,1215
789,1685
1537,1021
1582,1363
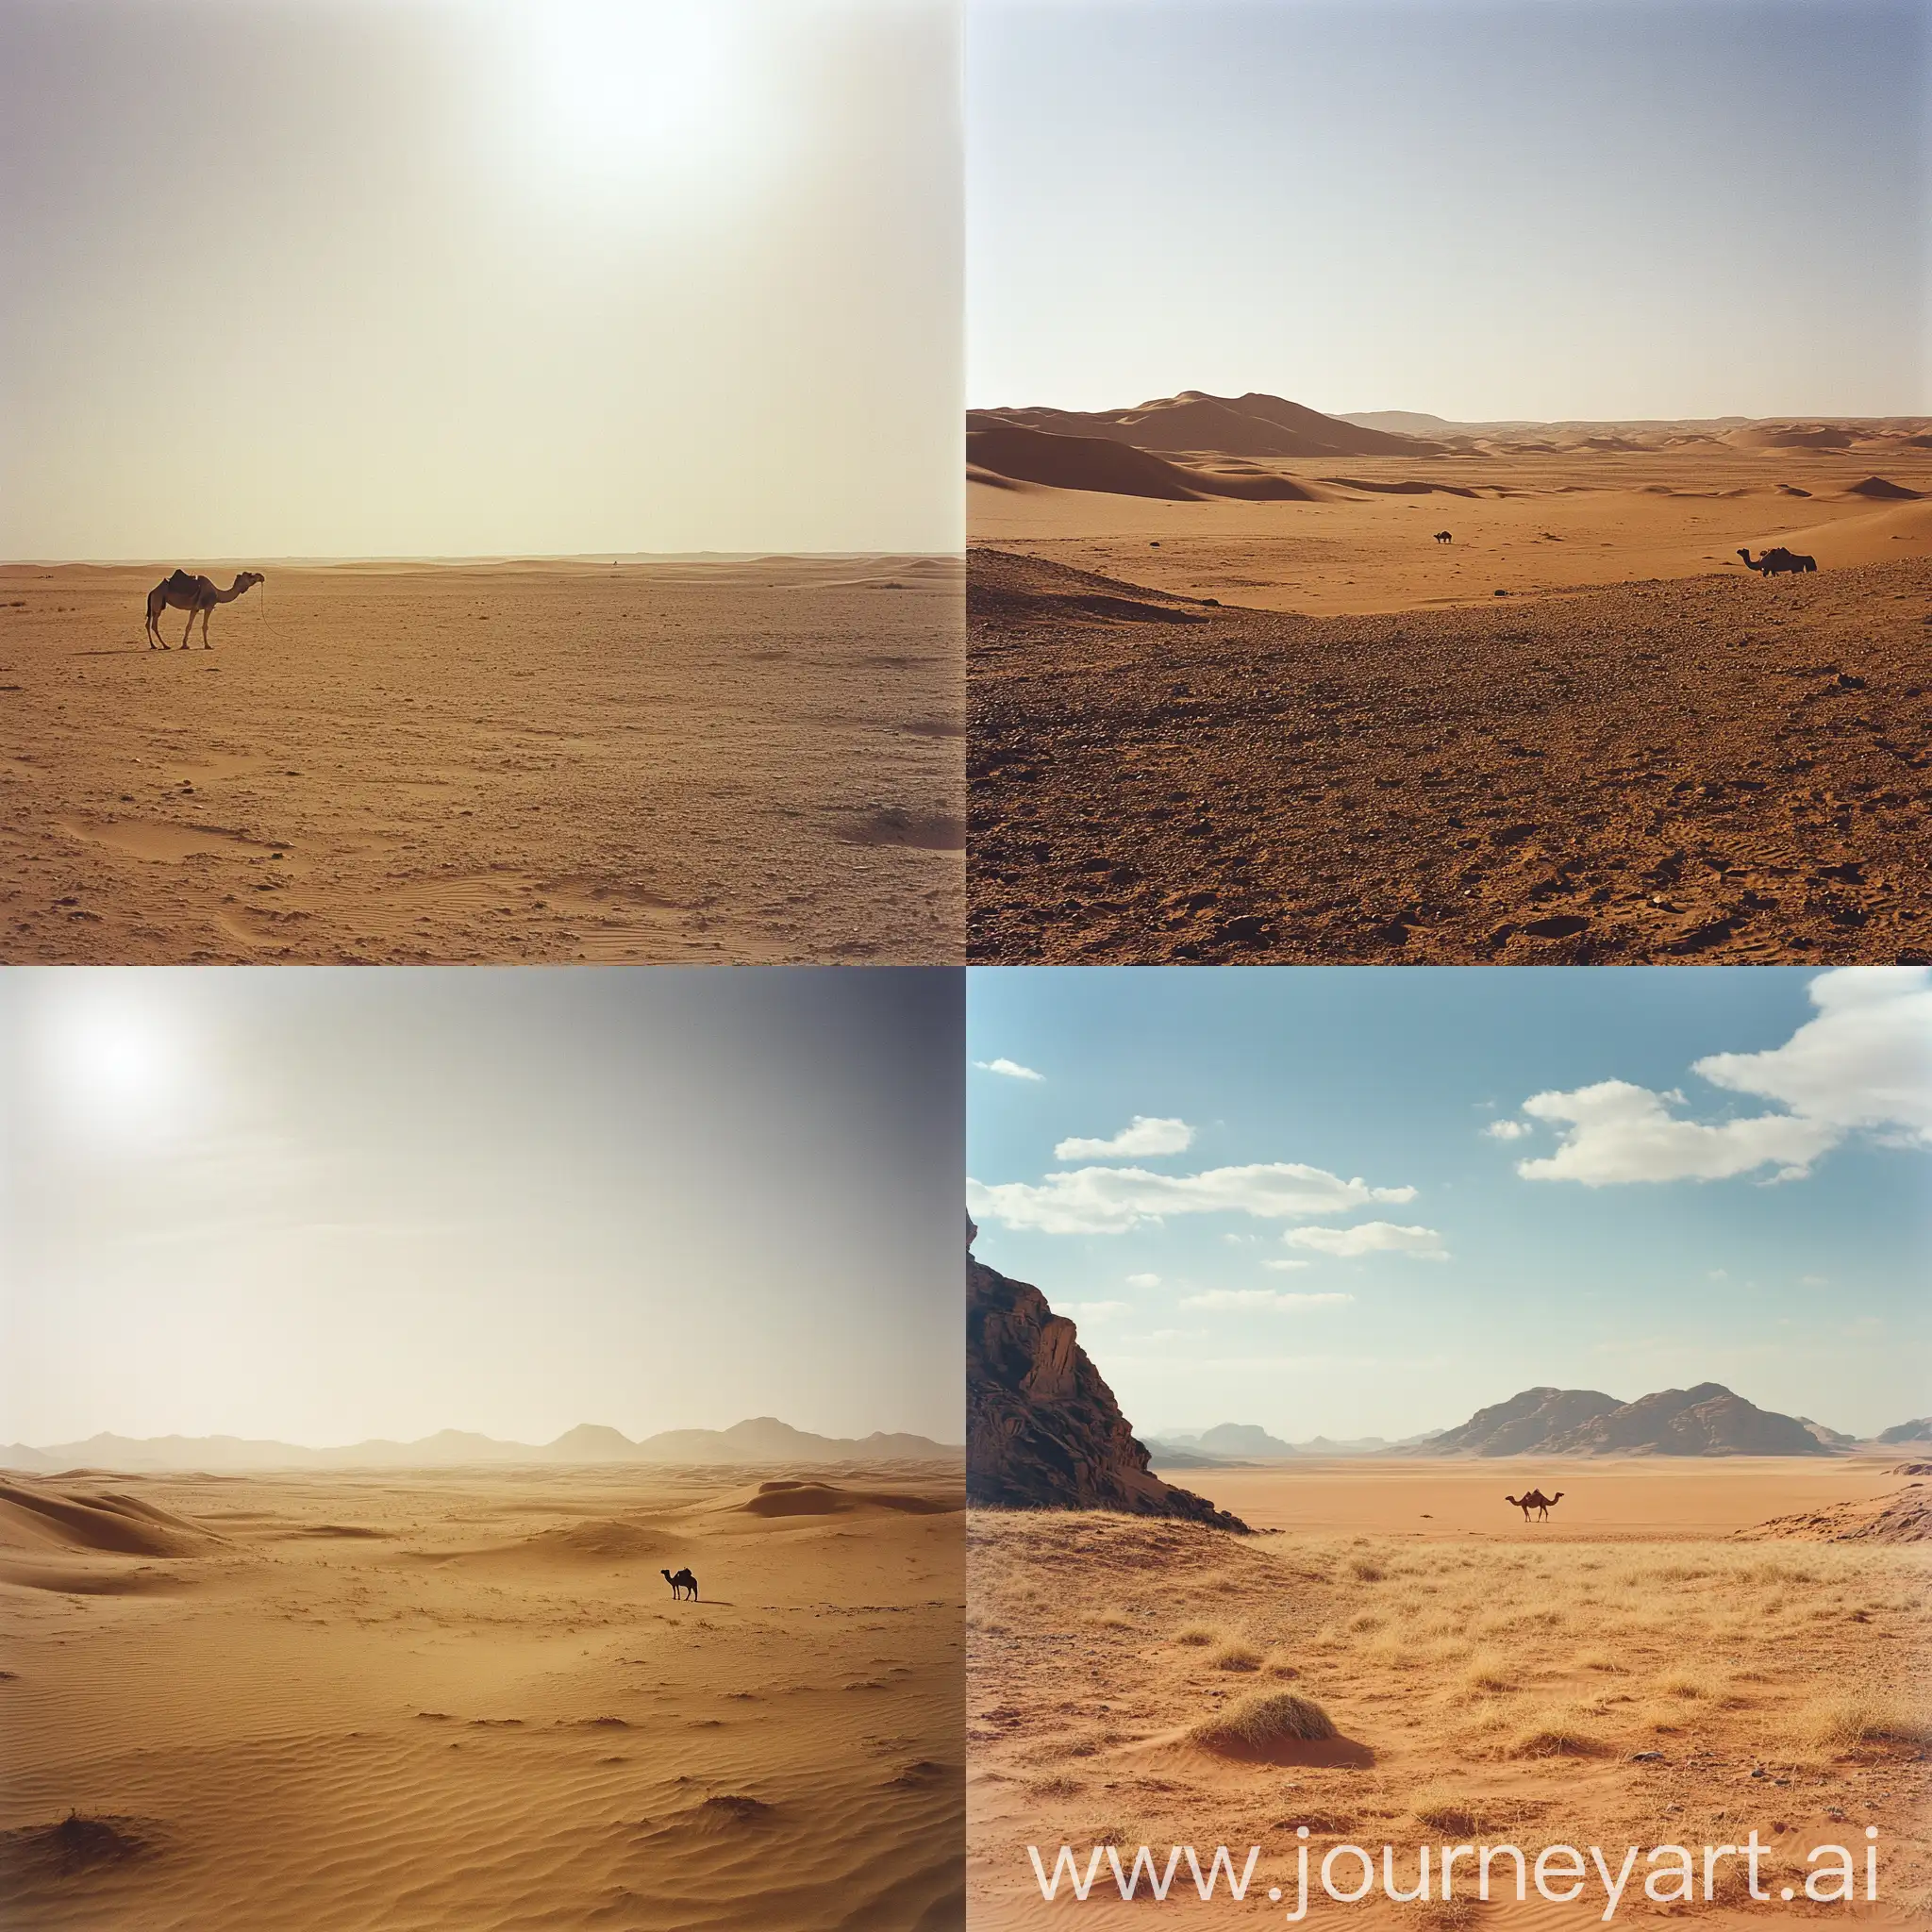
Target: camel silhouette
1772,562
1535,1499
683,1581
195,595
1444,537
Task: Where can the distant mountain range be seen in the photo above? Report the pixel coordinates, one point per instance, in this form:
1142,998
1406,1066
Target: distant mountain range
1248,1442
761,1438
1708,1420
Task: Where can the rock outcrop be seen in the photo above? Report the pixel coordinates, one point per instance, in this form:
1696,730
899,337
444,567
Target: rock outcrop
1919,1431
1708,1420
1905,1517
1042,1428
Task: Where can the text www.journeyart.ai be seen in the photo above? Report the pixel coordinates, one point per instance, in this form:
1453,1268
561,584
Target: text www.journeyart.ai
1561,1874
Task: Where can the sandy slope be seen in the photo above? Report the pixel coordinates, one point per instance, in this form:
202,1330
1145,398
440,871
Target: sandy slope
1525,523
536,761
470,1700
1719,767
1615,1676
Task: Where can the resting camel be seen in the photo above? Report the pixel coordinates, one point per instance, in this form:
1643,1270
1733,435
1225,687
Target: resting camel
1772,562
195,595
683,1581
1444,537
1535,1499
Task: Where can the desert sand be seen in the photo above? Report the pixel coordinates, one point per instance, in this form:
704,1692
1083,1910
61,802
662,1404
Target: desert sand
1230,728
567,761
470,1699
1632,1672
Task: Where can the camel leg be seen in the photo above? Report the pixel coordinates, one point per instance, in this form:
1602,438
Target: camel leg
205,644
187,629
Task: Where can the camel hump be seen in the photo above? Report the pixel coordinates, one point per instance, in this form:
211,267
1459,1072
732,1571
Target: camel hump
179,581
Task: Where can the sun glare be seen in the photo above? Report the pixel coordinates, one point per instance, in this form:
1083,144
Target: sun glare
113,1058
626,97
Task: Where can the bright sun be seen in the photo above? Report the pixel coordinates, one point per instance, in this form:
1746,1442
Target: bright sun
114,1057
626,94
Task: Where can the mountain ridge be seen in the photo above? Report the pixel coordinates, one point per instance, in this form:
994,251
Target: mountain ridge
757,1438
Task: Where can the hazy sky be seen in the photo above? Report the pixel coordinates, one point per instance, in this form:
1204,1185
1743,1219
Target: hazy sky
1544,208
326,1204
328,277
1371,1202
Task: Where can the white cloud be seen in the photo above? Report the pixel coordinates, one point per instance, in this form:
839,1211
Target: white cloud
1259,1298
1093,1310
1011,1069
1147,1135
1509,1130
1616,1132
1144,1281
1370,1238
1113,1200
1282,1267
1863,1063
1866,1060
1814,1281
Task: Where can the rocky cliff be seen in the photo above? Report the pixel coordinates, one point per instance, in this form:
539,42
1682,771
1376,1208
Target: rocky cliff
1042,1428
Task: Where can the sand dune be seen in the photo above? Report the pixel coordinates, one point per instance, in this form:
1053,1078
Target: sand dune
1255,424
1405,1662
546,761
469,1699
789,1497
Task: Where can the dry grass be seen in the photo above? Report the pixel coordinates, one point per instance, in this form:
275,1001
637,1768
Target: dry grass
1264,1718
1444,1808
1236,1657
1495,1686
1555,1734
1843,1723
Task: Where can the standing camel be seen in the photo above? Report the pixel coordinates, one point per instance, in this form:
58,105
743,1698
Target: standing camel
1444,537
195,595
683,1581
1535,1499
1772,562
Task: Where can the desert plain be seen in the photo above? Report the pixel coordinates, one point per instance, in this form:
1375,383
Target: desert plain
544,760
1650,1666
469,1698
1289,724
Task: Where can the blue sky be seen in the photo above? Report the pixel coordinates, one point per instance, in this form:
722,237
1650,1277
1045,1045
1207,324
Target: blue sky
1546,208
1726,1181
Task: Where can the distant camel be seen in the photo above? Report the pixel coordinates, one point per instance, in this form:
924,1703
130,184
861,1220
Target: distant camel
1444,537
1535,1499
1772,562
195,595
683,1581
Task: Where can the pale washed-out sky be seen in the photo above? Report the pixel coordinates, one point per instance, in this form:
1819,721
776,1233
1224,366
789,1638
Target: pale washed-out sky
325,1204
1480,209
468,277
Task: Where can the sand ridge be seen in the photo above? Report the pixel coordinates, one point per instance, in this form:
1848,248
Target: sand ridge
469,1698
539,760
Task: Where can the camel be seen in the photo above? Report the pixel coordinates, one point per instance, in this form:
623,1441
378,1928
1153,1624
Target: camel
195,595
683,1581
1772,562
1535,1499
1444,537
